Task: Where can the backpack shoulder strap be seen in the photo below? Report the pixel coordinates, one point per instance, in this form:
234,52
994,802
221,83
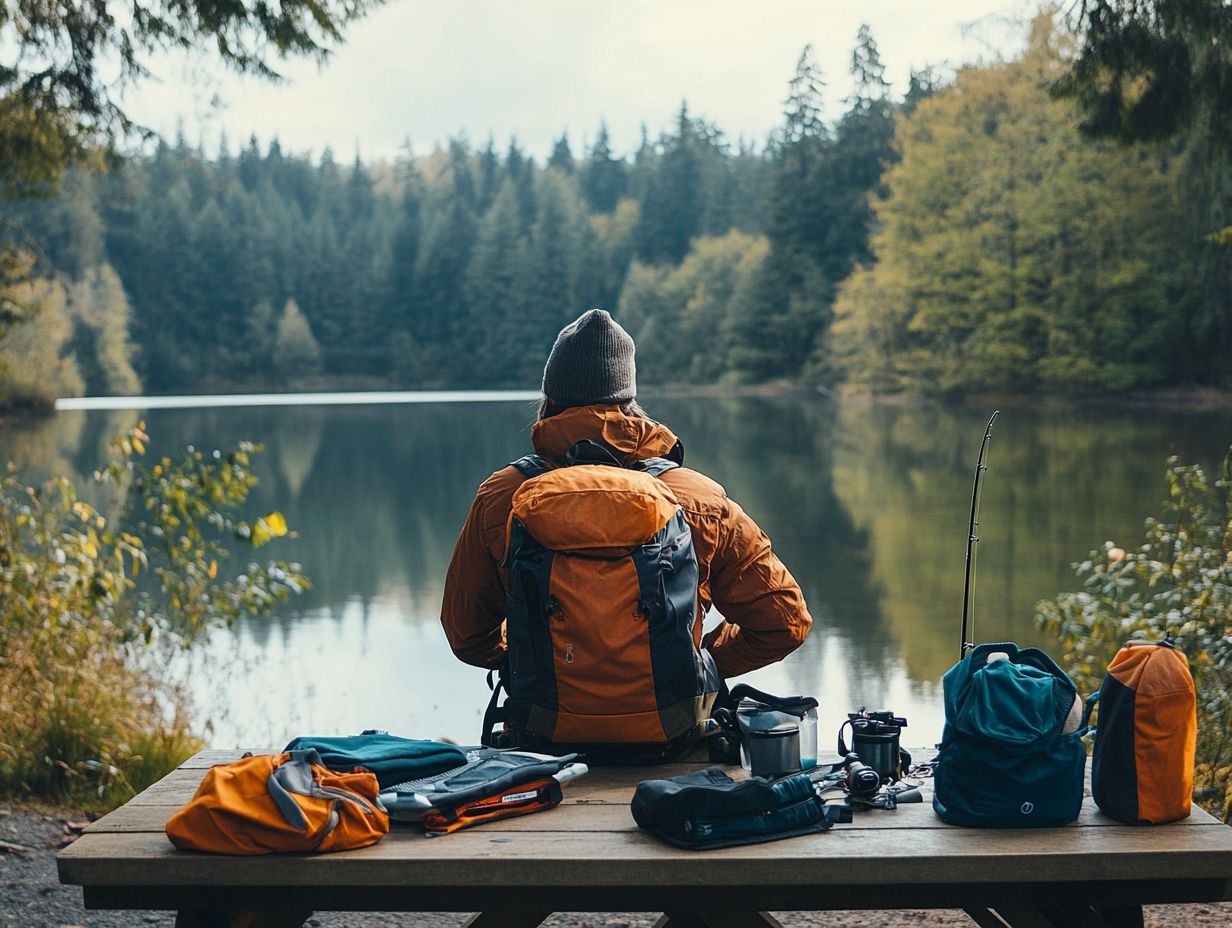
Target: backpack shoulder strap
495,714
656,467
589,451
532,465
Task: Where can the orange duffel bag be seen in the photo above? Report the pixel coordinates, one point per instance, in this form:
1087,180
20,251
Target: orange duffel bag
280,802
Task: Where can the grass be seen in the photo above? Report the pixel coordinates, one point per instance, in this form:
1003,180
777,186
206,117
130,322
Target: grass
81,723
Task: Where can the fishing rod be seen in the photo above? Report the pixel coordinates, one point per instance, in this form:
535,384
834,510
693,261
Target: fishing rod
972,538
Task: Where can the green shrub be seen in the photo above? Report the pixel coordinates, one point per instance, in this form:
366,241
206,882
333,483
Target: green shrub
85,713
1178,582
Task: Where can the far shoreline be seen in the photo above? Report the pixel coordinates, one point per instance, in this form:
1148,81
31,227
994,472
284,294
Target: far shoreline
337,392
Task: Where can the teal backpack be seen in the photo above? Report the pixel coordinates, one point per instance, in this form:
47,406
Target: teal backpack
1011,753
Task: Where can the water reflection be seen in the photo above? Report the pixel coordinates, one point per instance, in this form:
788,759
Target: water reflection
866,503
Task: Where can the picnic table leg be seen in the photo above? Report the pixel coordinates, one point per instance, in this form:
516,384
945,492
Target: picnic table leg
505,919
281,917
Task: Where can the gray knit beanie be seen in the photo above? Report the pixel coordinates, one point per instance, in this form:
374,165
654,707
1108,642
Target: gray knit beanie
591,362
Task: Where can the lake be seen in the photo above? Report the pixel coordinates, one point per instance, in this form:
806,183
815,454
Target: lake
865,502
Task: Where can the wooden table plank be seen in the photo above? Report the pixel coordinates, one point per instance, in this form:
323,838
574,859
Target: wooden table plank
487,857
581,814
602,786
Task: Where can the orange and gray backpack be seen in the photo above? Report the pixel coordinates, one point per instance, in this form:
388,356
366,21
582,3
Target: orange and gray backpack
602,620
1143,760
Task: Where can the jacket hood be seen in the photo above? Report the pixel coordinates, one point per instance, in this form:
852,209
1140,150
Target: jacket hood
632,436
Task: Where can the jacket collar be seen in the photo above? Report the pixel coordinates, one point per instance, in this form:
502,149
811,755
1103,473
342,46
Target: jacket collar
633,437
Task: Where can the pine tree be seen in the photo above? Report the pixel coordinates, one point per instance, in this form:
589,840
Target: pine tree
491,319
862,150
549,265
1152,69
250,164
402,295
169,321
490,176
603,177
804,108
448,235
778,331
360,199
521,170
562,157
671,206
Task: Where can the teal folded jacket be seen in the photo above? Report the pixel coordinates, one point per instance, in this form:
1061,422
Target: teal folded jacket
394,760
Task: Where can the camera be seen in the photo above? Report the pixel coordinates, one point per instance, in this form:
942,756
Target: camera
862,781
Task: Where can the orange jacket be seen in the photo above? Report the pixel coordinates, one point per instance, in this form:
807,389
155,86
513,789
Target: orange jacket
764,611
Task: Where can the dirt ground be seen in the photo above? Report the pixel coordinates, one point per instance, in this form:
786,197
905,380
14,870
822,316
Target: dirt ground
31,897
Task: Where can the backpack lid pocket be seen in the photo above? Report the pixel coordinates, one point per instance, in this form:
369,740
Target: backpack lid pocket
1013,704
590,507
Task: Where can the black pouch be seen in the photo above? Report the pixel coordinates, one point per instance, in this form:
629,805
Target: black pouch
709,810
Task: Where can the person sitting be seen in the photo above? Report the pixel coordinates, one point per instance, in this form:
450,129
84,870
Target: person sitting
589,397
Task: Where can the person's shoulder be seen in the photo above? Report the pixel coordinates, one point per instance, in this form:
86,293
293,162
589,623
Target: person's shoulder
501,483
696,491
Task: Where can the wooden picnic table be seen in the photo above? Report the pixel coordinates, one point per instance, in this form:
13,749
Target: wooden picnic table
587,855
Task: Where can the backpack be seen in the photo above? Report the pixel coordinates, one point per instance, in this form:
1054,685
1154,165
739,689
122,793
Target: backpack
279,802
1143,761
1011,753
601,614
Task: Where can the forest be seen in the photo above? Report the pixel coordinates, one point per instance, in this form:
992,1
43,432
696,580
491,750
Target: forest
964,237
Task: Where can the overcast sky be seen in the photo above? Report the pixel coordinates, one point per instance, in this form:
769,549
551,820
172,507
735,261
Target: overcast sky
431,69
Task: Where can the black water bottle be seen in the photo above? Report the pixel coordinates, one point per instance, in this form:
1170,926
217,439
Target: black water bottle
875,739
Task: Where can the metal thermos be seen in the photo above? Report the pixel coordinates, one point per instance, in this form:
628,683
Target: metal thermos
752,716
